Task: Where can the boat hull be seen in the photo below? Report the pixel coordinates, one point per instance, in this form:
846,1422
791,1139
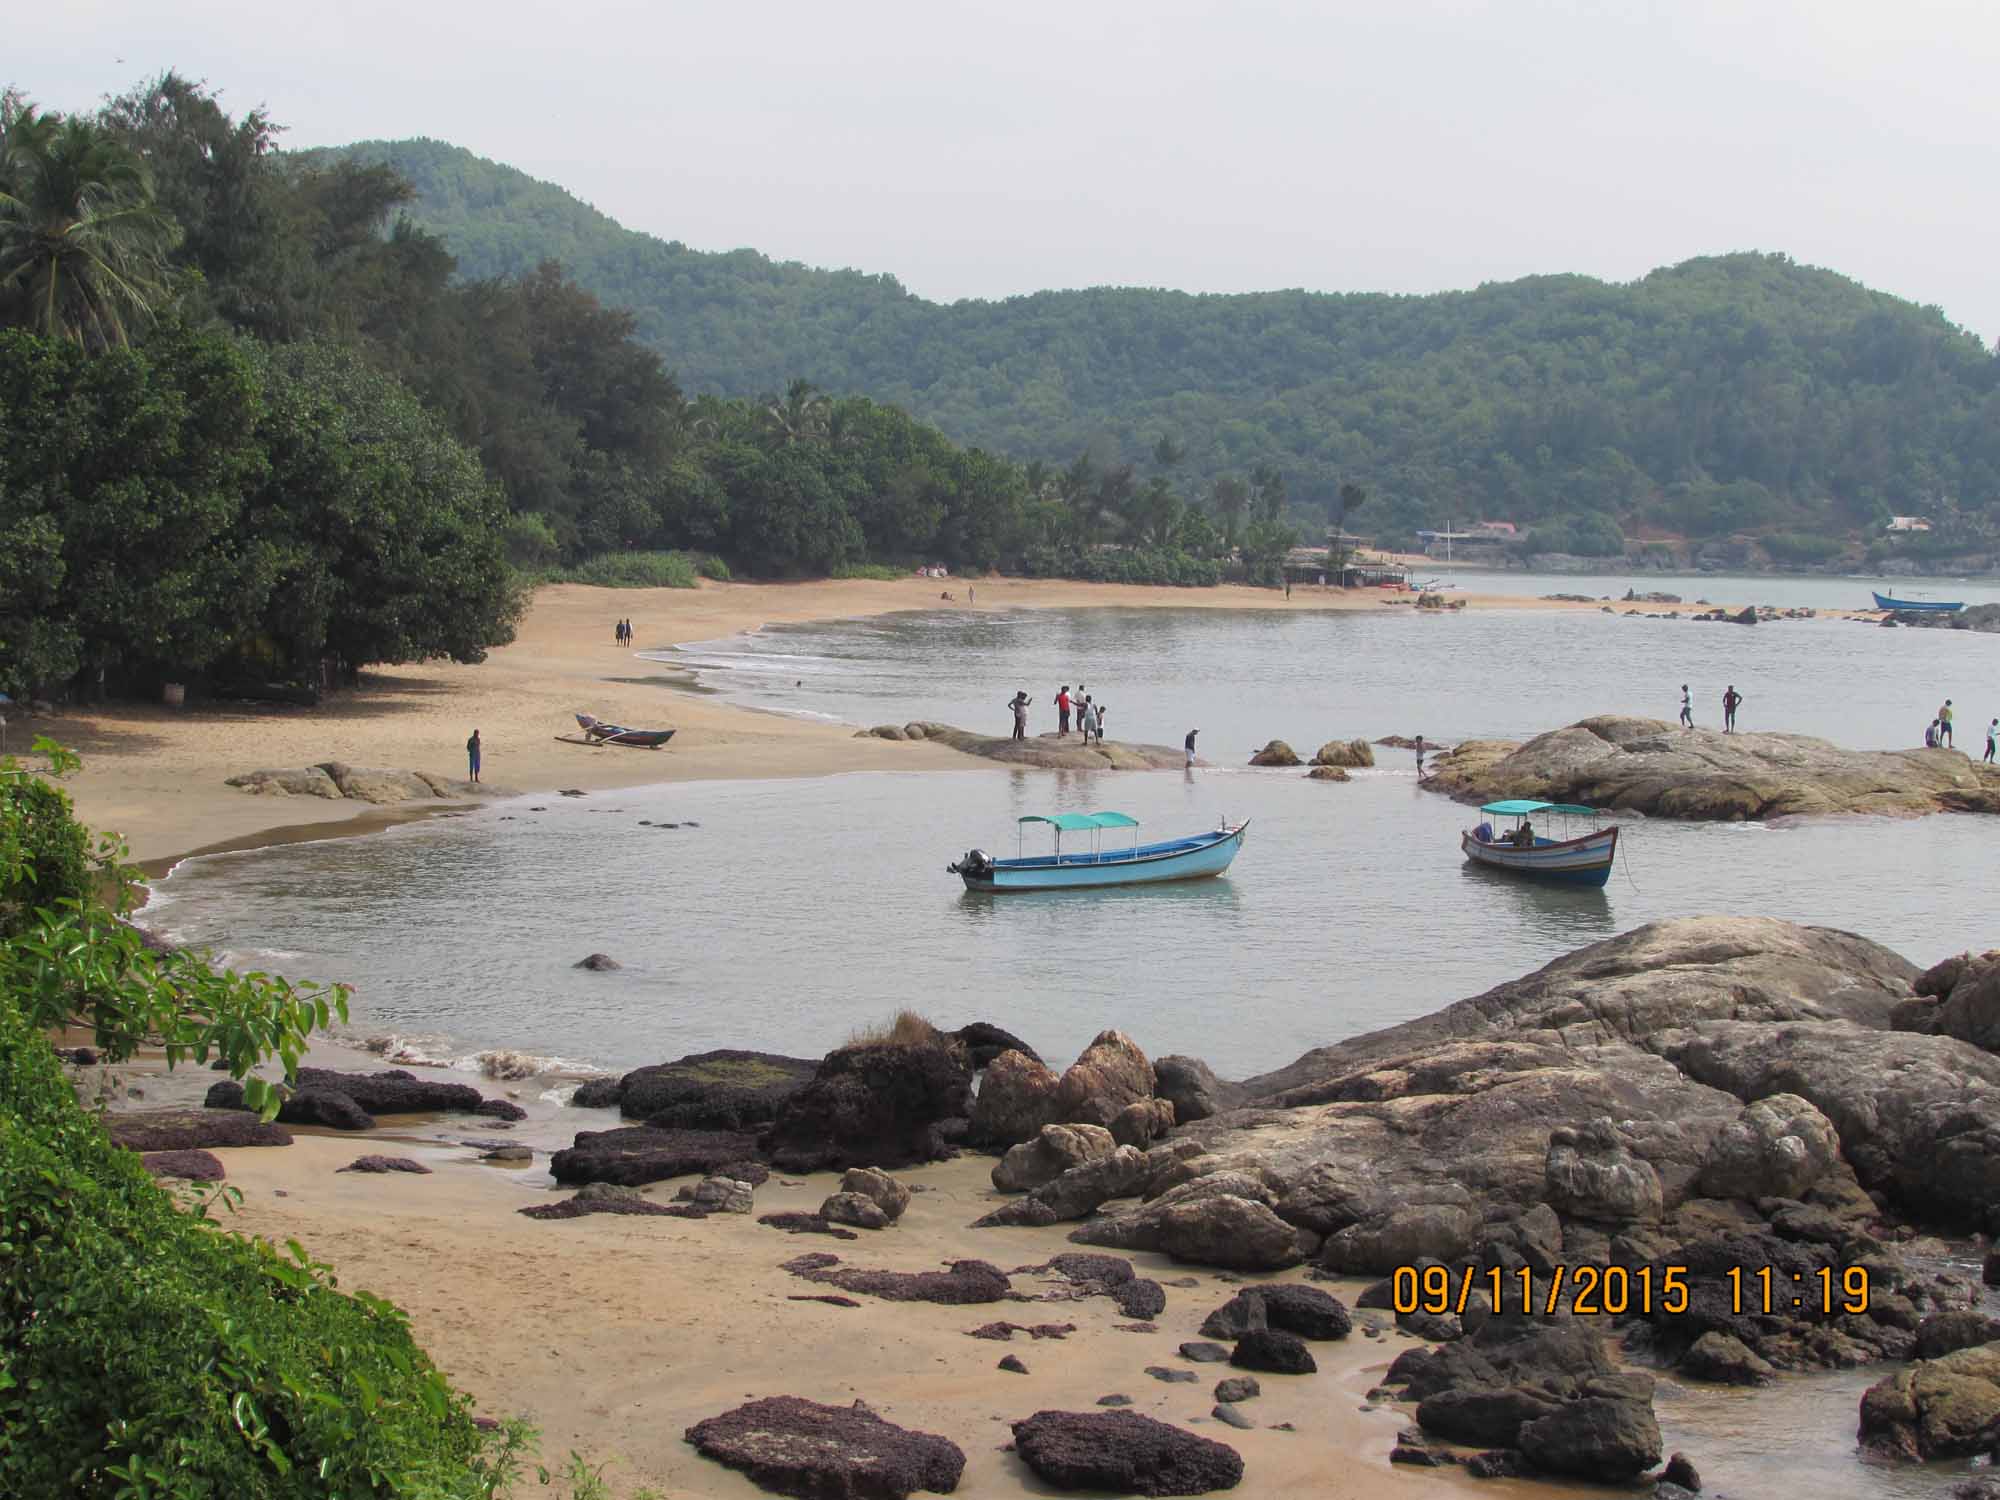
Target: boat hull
1919,606
1584,861
1151,864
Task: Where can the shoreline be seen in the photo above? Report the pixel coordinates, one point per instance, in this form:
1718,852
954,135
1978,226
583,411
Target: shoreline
155,775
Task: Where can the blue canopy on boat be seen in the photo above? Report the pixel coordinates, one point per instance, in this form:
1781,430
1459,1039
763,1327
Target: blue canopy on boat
1519,807
1078,822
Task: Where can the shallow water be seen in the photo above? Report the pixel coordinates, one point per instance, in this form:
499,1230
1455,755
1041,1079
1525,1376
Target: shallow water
784,915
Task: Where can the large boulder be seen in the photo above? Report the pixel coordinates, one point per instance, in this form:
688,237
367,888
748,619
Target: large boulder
396,1092
1303,1310
291,781
1053,1151
1111,1073
1484,1416
1957,997
983,1041
887,1194
378,784
1207,1223
1661,770
1080,1190
792,1446
1935,1408
1190,1085
1596,1437
1017,1097
1123,1453
726,1089
1777,1148
1142,1122
191,1130
1348,753
872,1104
636,1154
1276,753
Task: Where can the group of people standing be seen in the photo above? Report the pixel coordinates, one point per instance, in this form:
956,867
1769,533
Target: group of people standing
1937,734
1731,701
623,631
1080,705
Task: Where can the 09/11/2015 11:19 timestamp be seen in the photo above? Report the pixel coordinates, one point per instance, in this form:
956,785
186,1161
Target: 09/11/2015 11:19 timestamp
1619,1290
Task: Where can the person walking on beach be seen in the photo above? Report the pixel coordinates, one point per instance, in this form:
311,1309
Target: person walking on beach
1020,706
1944,725
1730,700
1062,713
1687,708
472,758
1992,733
1420,757
1193,732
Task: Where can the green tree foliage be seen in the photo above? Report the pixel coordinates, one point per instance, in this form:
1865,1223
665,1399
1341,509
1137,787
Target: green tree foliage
1528,400
83,246
143,1350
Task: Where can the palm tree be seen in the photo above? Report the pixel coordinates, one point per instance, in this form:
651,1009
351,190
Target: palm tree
83,247
801,417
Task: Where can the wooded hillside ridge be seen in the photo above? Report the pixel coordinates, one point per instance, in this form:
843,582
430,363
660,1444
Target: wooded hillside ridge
1733,393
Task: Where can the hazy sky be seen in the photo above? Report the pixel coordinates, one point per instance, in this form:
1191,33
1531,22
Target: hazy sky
986,150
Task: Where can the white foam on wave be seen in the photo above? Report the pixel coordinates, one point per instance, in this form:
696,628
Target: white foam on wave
434,1050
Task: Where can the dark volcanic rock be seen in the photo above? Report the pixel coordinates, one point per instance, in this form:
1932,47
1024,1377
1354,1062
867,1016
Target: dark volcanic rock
1273,1350
802,1223
1203,1352
386,1164
1012,1363
1483,1416
635,1154
329,1107
796,1447
1594,1438
579,1206
876,1104
1190,1085
601,962
1125,1453
1238,1388
1141,1297
192,1130
395,1092
1935,1408
983,1041
967,1281
727,1089
194,1166
1171,1376
1303,1310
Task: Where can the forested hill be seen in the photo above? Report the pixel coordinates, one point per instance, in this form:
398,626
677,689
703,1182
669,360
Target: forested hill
1741,392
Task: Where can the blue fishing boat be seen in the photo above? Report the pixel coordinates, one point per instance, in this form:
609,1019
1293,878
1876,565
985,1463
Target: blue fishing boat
1920,606
1583,860
1188,858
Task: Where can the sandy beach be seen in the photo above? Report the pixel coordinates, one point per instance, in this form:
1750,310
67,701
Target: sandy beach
156,775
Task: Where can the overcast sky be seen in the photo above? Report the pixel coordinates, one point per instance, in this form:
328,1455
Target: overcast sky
987,150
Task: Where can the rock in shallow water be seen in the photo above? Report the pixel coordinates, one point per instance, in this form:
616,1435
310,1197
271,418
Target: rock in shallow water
796,1447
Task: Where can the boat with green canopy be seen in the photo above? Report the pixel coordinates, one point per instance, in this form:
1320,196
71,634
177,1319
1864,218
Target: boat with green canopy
1077,867
1574,859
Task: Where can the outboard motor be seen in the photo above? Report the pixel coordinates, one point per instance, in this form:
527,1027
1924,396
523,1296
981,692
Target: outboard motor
976,863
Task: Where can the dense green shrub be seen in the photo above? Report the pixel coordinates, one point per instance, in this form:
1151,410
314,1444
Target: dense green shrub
1801,547
711,566
1123,565
44,852
634,570
880,572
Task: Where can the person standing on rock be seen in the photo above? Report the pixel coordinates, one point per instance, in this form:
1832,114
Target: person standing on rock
1992,733
1420,757
1944,725
1730,700
1193,732
1019,704
1097,725
1062,713
1088,723
472,758
1687,708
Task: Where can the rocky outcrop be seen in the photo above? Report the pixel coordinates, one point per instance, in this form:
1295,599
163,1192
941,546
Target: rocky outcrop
983,1042
333,780
1111,1073
1935,1408
1662,770
726,1089
1958,997
1275,753
1344,753
638,1154
1056,755
1123,1453
1190,1085
1017,1097
1223,1219
1080,1190
964,1282
1142,1122
192,1130
1777,1148
348,1101
1327,773
1054,1151
873,1104
792,1446
1305,1311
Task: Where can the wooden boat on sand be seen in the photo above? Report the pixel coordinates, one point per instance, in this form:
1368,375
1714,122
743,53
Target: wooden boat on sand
1583,860
597,732
1189,858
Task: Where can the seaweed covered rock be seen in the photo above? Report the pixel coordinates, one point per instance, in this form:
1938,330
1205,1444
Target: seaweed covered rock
1124,1453
726,1089
792,1446
192,1130
637,1154
872,1104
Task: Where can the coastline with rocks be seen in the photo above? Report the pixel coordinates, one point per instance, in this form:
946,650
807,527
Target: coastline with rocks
1704,1094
